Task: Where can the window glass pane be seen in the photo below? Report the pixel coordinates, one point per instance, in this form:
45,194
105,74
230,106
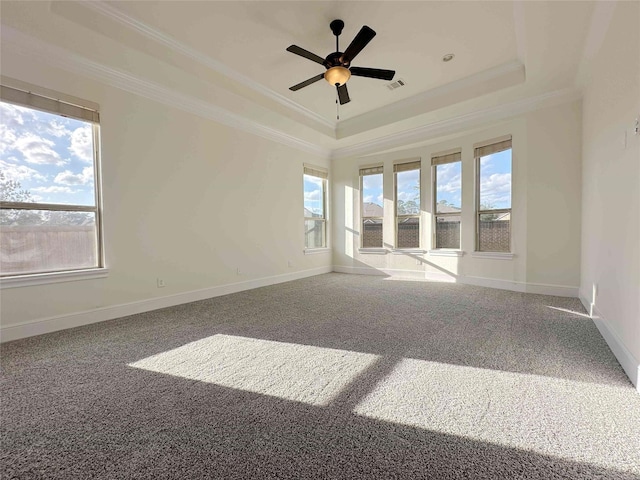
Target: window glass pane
314,233
313,196
372,210
495,181
45,158
408,192
35,241
372,233
448,187
372,201
494,232
408,232
448,231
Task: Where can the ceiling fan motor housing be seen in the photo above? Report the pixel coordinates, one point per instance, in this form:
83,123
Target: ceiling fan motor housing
335,60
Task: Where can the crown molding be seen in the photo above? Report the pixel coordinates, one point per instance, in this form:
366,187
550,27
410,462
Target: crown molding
472,86
459,123
209,62
37,50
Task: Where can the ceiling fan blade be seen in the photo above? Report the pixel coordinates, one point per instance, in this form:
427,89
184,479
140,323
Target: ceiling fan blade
306,54
372,73
364,36
307,82
343,94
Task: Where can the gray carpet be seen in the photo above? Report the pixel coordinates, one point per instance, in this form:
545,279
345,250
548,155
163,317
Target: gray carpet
335,376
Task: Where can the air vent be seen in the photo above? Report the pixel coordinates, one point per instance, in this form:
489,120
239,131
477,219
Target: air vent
397,84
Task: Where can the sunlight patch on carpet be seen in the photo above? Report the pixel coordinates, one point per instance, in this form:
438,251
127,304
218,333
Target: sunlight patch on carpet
550,416
301,373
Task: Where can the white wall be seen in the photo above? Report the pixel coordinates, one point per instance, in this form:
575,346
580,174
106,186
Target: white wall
611,186
185,198
546,198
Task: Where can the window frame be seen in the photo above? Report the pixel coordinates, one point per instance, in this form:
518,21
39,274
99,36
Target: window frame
497,145
437,160
40,99
375,170
323,175
397,169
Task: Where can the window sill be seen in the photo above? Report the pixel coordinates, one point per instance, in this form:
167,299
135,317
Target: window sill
315,251
493,255
445,253
55,277
405,251
373,251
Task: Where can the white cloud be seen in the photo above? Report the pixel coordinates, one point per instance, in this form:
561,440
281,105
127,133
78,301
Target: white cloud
57,129
496,190
20,173
54,189
377,199
7,138
82,143
314,195
37,150
372,181
69,178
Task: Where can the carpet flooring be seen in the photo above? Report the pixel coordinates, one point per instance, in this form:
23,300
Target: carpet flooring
330,377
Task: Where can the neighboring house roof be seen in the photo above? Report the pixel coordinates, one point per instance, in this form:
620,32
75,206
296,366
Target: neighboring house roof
448,209
308,213
370,209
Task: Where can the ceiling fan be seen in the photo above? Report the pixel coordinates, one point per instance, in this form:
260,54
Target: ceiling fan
338,64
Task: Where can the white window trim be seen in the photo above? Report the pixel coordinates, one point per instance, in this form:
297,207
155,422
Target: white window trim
444,252
39,98
398,168
362,249
483,253
28,280
494,255
405,251
316,251
456,156
323,174
373,251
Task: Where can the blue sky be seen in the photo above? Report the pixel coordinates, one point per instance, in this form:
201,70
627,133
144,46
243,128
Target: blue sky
495,181
51,156
313,194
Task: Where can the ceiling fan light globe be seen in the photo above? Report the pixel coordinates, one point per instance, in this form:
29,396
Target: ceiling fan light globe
337,75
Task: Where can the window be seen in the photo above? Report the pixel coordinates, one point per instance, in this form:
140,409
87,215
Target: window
407,195
315,208
371,206
447,199
49,185
493,223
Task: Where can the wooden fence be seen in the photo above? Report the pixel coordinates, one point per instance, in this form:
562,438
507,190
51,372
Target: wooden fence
30,249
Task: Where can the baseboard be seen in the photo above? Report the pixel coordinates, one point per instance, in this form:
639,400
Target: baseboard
537,288
61,322
629,363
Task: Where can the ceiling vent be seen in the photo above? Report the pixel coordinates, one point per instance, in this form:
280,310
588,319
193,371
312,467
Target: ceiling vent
397,84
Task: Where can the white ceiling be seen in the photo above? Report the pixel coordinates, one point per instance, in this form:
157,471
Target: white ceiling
504,52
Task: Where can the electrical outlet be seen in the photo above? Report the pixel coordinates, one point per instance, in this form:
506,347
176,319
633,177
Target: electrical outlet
238,271
290,264
161,283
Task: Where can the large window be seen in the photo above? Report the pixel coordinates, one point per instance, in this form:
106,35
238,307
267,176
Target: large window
49,185
447,199
407,196
315,207
371,206
493,222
